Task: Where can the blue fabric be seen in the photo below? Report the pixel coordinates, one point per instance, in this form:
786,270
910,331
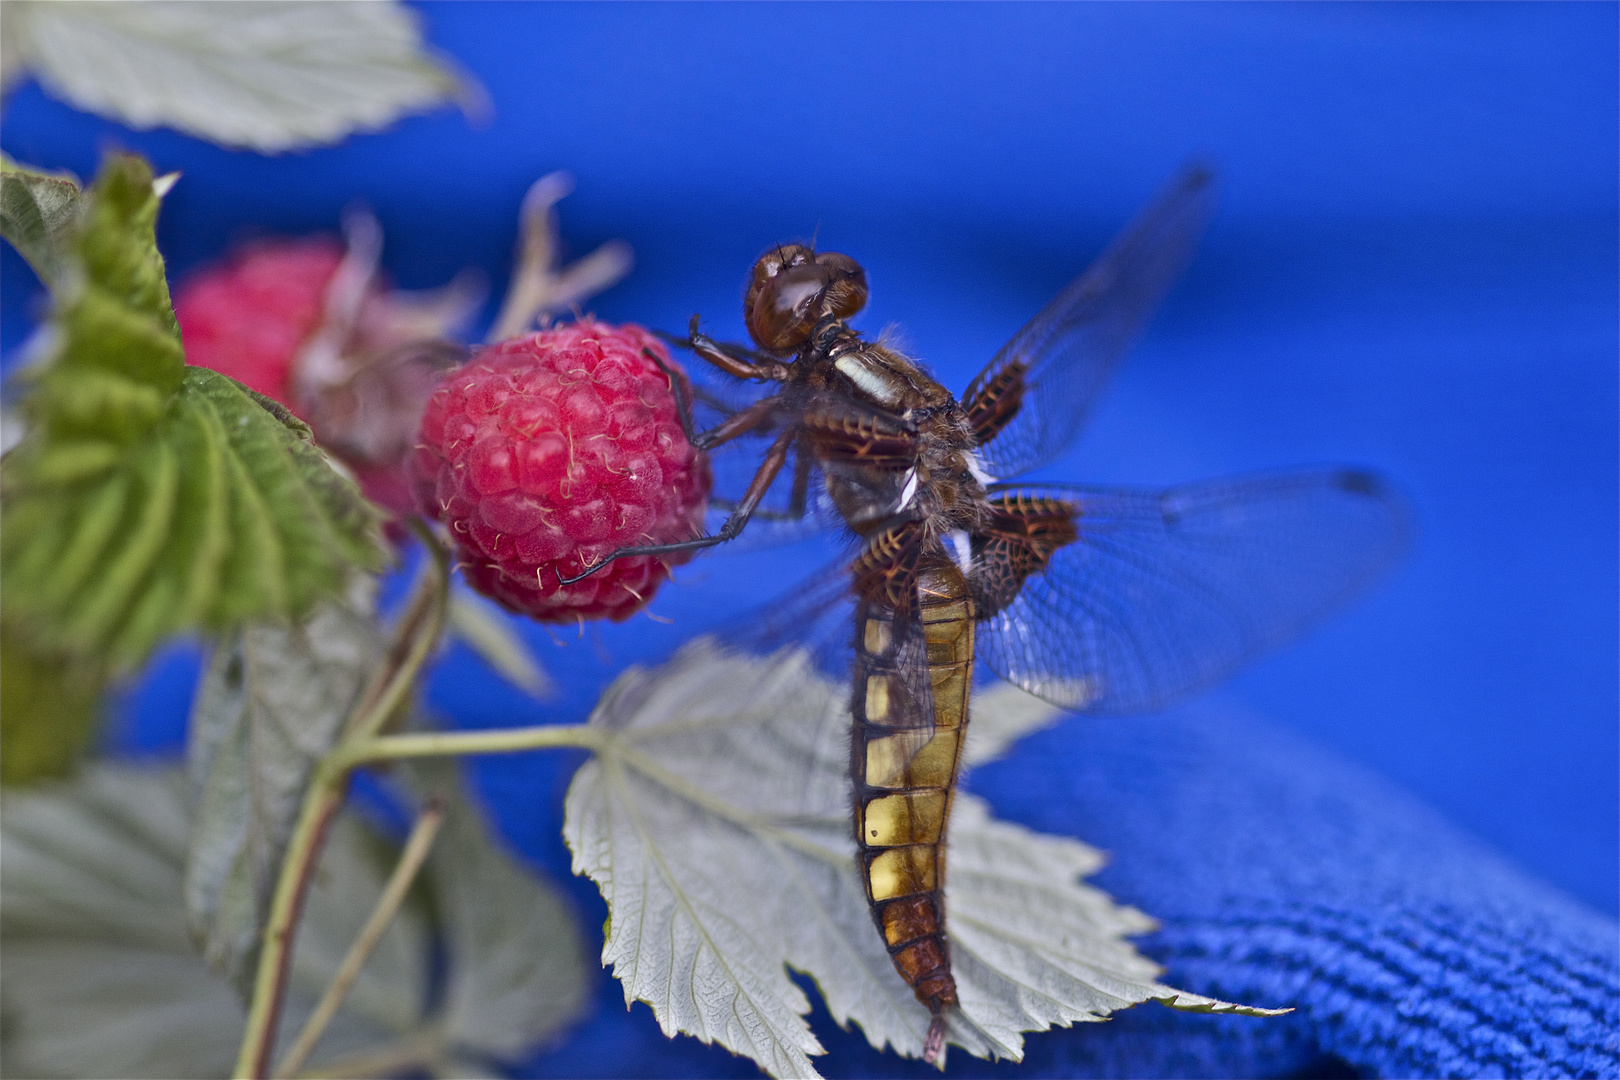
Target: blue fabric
1414,267
1286,876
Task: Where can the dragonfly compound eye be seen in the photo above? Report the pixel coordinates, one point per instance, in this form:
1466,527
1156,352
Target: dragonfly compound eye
792,288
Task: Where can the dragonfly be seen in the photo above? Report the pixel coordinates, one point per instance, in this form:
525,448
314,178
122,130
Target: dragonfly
1098,599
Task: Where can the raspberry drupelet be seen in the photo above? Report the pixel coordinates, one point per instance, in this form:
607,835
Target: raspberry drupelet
549,451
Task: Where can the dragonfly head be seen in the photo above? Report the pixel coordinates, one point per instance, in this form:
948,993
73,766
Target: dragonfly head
794,287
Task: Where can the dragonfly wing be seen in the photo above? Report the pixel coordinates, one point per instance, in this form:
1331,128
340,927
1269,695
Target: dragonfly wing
1149,595
1028,404
817,614
824,615
779,521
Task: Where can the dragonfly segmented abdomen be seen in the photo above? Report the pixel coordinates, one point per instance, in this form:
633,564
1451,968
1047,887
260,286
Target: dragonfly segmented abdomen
912,678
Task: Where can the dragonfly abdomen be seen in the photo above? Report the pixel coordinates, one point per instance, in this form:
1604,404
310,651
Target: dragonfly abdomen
903,761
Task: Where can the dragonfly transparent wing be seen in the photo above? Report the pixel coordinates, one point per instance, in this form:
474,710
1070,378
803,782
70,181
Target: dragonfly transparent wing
1031,400
818,614
781,520
1164,592
797,506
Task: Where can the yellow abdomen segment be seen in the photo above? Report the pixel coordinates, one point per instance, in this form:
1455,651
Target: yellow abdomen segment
907,817
906,748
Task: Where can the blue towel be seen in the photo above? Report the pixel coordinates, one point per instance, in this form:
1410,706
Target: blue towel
1282,876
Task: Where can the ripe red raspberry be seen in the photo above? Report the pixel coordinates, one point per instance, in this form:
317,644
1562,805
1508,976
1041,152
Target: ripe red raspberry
549,451
249,317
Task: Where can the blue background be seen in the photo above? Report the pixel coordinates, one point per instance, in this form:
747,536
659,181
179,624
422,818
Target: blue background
1413,266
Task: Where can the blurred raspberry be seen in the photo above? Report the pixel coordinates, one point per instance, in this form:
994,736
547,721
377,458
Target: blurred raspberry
309,323
551,450
248,317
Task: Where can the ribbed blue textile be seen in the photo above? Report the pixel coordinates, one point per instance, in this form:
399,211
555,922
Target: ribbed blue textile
1283,876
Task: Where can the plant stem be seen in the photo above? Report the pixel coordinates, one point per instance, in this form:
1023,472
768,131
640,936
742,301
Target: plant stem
415,852
409,1055
321,805
458,743
414,640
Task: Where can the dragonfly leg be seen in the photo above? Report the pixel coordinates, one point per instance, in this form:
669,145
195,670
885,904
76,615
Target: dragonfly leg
732,426
800,497
775,458
798,504
677,389
755,416
731,359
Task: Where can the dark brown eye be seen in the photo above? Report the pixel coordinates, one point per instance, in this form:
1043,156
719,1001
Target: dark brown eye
793,287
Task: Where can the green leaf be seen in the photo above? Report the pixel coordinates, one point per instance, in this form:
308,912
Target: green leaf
118,246
150,498
49,706
318,523
113,357
39,214
101,975
265,76
270,706
220,514
716,823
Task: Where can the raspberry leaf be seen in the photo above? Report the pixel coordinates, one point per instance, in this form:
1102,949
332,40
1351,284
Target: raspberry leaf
38,215
518,968
715,820
92,929
287,502
113,356
219,514
150,498
49,706
267,77
271,705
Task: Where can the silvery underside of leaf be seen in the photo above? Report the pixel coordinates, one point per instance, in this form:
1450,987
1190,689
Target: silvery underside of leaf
715,822
266,76
39,211
270,705
102,978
